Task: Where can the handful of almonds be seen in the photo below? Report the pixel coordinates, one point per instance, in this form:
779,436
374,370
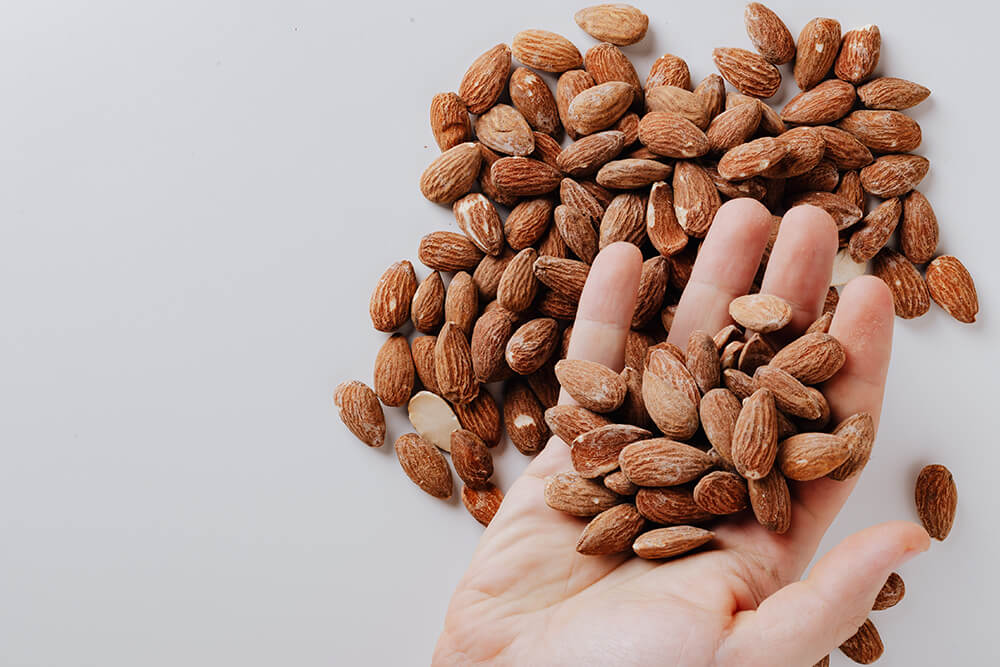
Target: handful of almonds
679,437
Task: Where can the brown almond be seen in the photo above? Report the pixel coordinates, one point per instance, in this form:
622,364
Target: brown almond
630,174
769,34
359,409
891,93
918,229
389,306
620,484
883,131
761,312
808,456
524,417
633,409
452,174
576,196
712,91
811,358
749,72
449,120
790,396
524,177
733,127
489,340
447,251
544,50
394,372
805,152
722,492
662,462
859,53
527,222
472,461
892,592
616,23
485,79
670,542
461,304
771,501
751,187
482,503
629,126
719,410
600,106
850,189
821,178
422,349
865,646
652,288
730,355
702,360
478,219
569,85
756,352
518,285
587,154
909,292
612,531
424,464
544,382
592,385
952,288
623,220
843,149
568,422
482,417
566,276
671,409
547,149
738,382
821,324
680,101
570,493
453,365
858,431
825,103
843,212
669,70
816,51
894,175
578,232
427,307
662,227
595,452
531,345
696,199
505,130
606,62
532,98
486,183
755,436
752,158
936,497
556,305
671,135
669,505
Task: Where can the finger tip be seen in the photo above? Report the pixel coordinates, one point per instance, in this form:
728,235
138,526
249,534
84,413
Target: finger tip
620,252
872,289
817,222
744,211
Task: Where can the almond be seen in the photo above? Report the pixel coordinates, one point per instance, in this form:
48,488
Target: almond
489,339
449,121
816,51
556,305
566,276
452,174
389,306
771,502
552,244
518,284
485,79
843,212
586,155
769,34
790,396
808,456
570,493
719,412
505,130
770,121
703,360
843,149
595,452
629,126
524,177
652,288
733,127
721,492
453,365
894,175
433,419
427,309
696,200
876,231
620,484
669,70
578,232
892,592
461,304
592,385
636,347
486,183
606,62
821,324
865,646
569,85
630,174
527,222
394,372
752,158
547,149
952,288
671,135
360,411
811,358
820,423
761,312
447,251
544,383
918,230
633,409
531,345
850,189
612,531
669,505
618,24
751,187
532,98
827,102
937,497
909,292
859,53
883,131
662,462
684,103
482,503
568,422
712,91
755,353
858,431
472,461
750,73
478,219
730,355
662,227
891,93
599,107
669,370
544,50
821,178
422,350
755,437
482,417
576,196
805,152
623,220
671,409
524,417
670,542
424,464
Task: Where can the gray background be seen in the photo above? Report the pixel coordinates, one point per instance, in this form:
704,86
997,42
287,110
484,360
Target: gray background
195,200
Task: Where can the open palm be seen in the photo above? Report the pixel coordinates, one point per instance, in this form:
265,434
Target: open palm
529,599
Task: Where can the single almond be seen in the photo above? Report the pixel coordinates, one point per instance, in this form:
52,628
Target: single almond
894,175
606,62
568,422
472,460
696,199
825,103
821,324
952,288
596,452
359,409
389,306
909,292
719,410
518,285
883,131
531,345
722,492
505,130
771,501
712,91
427,309
876,231
805,152
738,382
422,349
821,178
485,79
936,497
612,531
865,646
450,122
790,396
670,505
652,288
769,34
808,456
752,158
481,416
569,85
671,135
544,50
811,358
843,148
482,503
633,408
570,493
547,149
453,365
600,106
816,51
918,229
850,189
566,276
630,174
576,196
770,121
662,462
524,417
702,359
843,212
733,127
671,541
452,174
761,312
891,93
859,53
623,220
669,70
478,219
524,177
592,385
587,154
394,372
755,437
448,251
858,431
662,227
544,382
556,305
616,23
489,339
892,592
528,222
461,304
680,101
424,464
531,96
749,72
752,187
620,484
730,355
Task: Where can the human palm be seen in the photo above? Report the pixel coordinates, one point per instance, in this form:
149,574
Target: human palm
529,598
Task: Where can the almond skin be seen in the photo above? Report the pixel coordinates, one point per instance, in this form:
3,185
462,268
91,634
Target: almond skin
389,306
952,288
461,304
360,411
892,93
524,417
569,85
547,149
544,50
749,72
599,107
844,150
531,345
696,199
936,497
702,359
518,284
738,382
876,231
892,592
453,365
586,155
752,158
427,309
669,70
719,410
424,464
623,221
811,358
894,175
527,222
670,408
566,276
568,422
761,312
918,229
486,183
488,273
394,371
620,484
769,34
883,131
859,53
448,251
806,149
524,177
489,339
449,120
577,231
670,135
662,227
485,79
505,130
652,288
669,505
630,174
843,212
574,195
422,349
570,493
592,385
670,542
808,456
614,23
827,102
721,492
865,646
771,502
909,292
596,452
472,460
531,96
482,503
452,174
612,531
859,432
733,127
478,219
662,462
482,417
755,437
850,189
816,51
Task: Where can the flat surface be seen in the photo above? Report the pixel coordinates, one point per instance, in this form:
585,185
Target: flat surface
197,199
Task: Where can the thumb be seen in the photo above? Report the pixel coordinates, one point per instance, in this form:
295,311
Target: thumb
808,619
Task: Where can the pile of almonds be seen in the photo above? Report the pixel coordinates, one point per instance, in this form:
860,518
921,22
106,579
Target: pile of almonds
679,437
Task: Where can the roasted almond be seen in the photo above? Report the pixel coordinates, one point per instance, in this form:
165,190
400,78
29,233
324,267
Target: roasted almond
811,358
482,417
447,251
623,220
719,410
769,34
755,436
576,196
892,592
568,422
544,50
489,340
389,306
612,531
547,149
616,23
843,212
918,229
670,542
721,492
858,431
505,130
569,85
936,497
620,484
662,227
662,462
894,175
671,135
449,120
360,411
859,53
485,79
790,396
461,304
486,183
669,70
808,456
669,505
843,149
527,222
592,385
453,365
696,200
524,177
771,501
595,452
702,359
587,154
749,72
671,409
570,493
865,646
738,382
422,349
712,91
850,189
531,345
424,464
733,127
524,417
756,352
652,288
761,312
427,309
394,373
600,106
482,503
478,219
606,62
472,461
566,276
891,93
631,174
752,158
909,292
452,174
531,96
816,51
952,288
827,102
883,131
518,285
805,152
680,101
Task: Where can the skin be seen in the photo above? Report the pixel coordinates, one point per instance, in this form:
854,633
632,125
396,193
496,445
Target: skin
529,598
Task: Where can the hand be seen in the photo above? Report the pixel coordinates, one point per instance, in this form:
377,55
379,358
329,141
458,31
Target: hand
528,598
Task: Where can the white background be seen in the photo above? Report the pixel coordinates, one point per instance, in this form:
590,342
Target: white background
195,201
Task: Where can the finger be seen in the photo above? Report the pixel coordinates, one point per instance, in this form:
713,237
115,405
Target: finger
727,263
801,263
806,620
602,324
